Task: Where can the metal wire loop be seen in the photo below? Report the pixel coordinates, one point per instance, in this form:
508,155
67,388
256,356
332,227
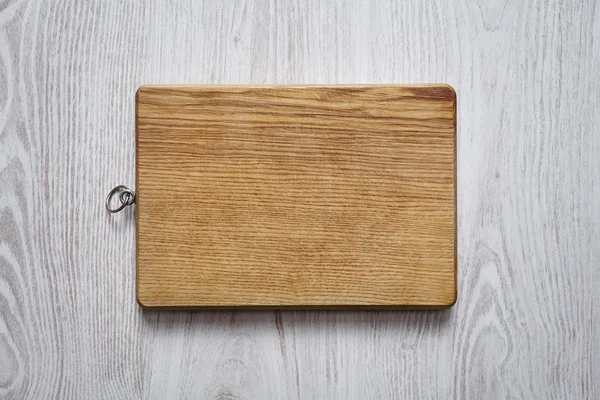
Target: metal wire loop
126,197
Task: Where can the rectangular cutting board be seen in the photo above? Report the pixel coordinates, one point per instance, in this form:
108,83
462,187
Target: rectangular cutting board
296,196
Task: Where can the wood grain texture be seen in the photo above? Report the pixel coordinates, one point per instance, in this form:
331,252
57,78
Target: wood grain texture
305,196
526,323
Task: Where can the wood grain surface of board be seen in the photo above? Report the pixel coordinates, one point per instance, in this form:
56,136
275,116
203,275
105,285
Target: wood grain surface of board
302,196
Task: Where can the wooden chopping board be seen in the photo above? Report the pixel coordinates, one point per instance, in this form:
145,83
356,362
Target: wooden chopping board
296,196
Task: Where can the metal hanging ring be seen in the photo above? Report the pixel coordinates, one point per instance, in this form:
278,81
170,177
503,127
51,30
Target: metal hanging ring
126,197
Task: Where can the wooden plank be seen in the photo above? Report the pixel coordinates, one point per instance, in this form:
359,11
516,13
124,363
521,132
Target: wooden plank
527,320
306,196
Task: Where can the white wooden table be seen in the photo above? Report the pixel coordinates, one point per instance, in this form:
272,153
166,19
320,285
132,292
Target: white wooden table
526,324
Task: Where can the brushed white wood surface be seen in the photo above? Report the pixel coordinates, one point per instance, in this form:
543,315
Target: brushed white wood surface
526,324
